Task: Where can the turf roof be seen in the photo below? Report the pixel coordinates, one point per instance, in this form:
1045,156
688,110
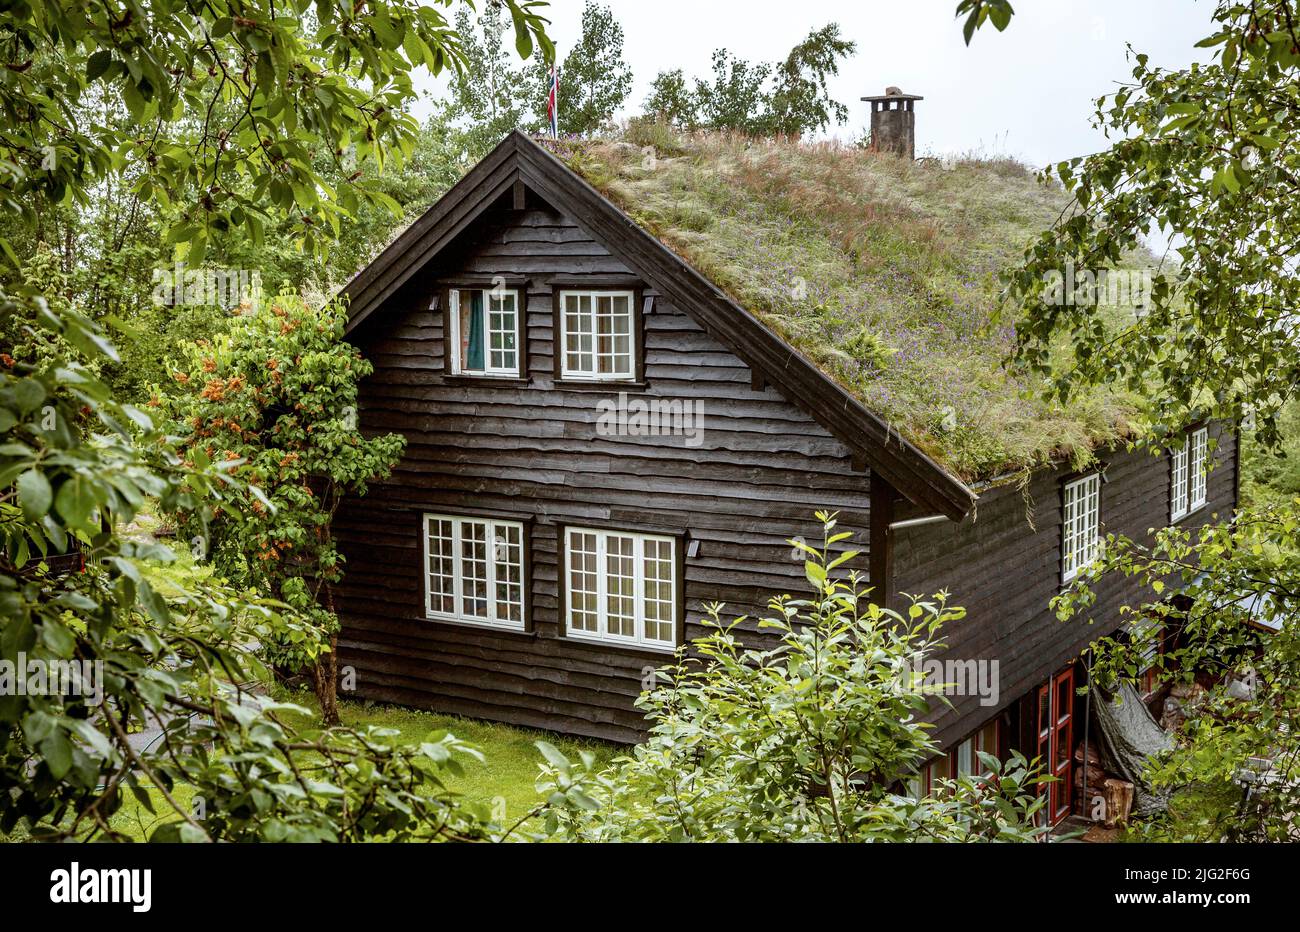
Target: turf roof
883,272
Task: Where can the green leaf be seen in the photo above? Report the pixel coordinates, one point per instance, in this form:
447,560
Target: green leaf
57,751
34,494
97,65
75,502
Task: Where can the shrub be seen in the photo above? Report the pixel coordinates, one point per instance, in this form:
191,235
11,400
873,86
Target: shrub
803,740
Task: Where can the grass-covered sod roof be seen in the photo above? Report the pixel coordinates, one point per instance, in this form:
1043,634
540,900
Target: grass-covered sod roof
884,273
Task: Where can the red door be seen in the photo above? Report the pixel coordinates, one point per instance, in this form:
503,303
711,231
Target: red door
1056,740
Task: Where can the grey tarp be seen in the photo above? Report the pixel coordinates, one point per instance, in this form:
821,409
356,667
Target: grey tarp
1128,736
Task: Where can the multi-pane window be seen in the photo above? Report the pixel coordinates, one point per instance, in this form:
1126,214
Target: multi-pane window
1187,474
597,341
984,741
1178,482
1081,542
621,587
962,761
474,570
485,331
1200,443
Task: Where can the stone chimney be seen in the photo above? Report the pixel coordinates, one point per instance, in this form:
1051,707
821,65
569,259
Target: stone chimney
893,122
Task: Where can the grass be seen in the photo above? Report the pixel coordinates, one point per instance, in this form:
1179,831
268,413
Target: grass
510,769
504,781
883,272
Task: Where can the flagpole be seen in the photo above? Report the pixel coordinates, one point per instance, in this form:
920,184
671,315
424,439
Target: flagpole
553,102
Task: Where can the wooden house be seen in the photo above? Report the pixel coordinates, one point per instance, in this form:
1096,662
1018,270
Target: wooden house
602,440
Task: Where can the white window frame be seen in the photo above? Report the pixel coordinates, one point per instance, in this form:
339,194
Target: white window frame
454,347
1187,482
562,348
1197,464
1178,484
1080,525
602,634
458,614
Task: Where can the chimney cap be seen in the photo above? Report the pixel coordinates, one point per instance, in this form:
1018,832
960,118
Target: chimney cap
893,93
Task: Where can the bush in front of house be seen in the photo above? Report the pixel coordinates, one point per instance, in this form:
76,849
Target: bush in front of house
809,739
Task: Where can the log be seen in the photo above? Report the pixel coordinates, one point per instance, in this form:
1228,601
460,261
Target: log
1119,801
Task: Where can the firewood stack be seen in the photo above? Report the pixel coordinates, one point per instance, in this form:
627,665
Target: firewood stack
1109,797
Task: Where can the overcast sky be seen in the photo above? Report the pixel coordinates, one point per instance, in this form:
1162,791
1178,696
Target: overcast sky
1026,92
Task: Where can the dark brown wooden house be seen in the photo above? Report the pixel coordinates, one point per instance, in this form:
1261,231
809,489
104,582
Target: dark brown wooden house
601,442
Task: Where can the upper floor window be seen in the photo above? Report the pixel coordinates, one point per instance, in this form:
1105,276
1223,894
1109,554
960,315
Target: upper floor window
597,337
474,570
484,331
1081,542
621,587
1187,474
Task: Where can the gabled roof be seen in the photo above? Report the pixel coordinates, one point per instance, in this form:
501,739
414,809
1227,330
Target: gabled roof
520,159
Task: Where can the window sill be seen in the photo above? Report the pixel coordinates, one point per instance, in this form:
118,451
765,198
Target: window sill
602,385
629,646
1189,514
512,381
477,625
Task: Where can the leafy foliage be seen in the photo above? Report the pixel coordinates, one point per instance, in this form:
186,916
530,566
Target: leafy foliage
979,12
230,101
1208,153
758,98
285,85
802,740
276,399
490,95
1234,755
594,78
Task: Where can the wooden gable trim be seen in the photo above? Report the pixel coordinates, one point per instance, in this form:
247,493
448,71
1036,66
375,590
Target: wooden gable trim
905,467
439,225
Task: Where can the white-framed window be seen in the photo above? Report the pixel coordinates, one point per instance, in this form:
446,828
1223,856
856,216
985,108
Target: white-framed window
1081,537
1187,474
474,571
621,587
1199,461
484,338
597,336
1178,482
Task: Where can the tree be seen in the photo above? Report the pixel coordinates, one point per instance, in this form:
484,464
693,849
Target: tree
1208,154
490,94
801,102
1233,773
758,98
278,396
671,101
737,100
594,79
234,100
803,740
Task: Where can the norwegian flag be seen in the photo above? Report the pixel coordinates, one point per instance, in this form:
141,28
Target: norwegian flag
553,104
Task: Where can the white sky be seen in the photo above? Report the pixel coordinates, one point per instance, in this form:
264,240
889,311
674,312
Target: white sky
1025,92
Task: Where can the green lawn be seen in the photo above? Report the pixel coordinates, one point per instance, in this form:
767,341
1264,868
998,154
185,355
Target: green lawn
508,773
511,765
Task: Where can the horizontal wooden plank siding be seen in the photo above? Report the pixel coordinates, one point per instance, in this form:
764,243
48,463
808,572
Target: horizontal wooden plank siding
532,451
1005,572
